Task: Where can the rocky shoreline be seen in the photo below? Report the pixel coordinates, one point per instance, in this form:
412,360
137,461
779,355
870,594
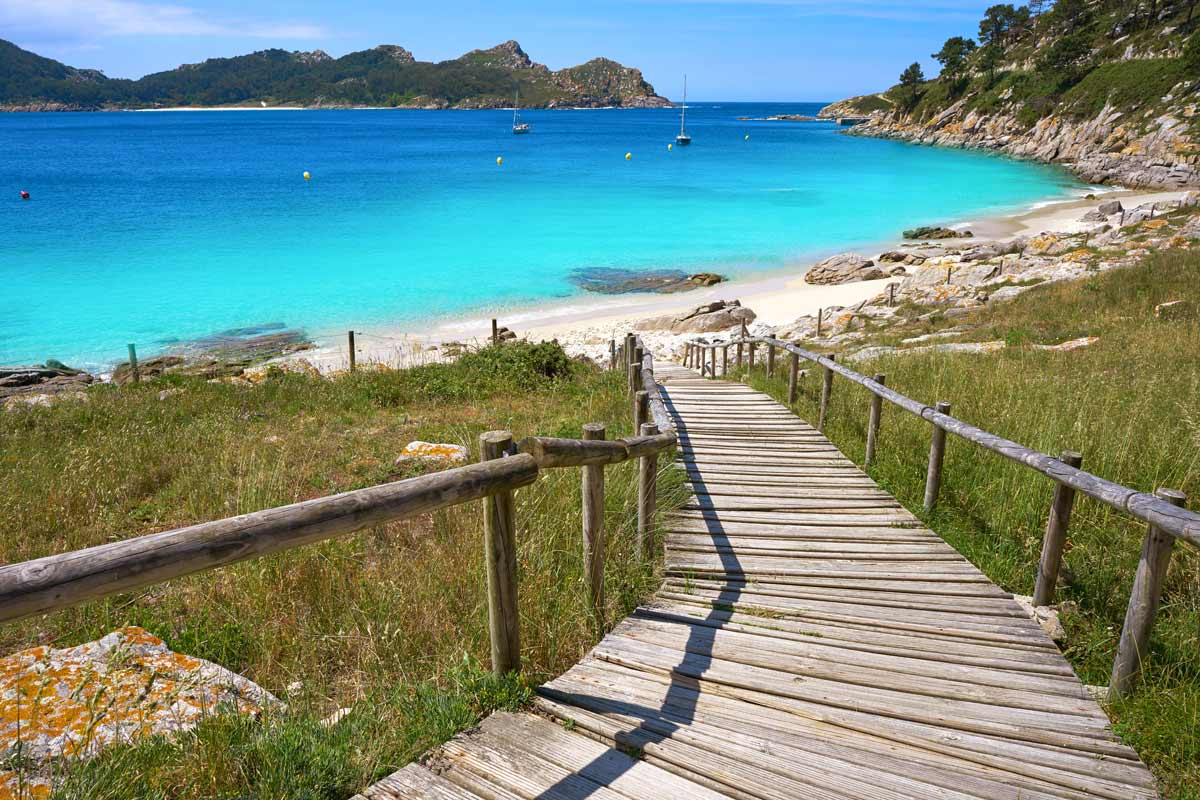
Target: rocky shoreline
1111,148
237,354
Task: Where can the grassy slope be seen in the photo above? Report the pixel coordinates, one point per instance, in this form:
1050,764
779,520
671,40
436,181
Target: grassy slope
1131,405
389,622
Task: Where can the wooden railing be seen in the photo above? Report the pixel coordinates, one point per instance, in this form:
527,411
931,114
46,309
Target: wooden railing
1163,511
56,582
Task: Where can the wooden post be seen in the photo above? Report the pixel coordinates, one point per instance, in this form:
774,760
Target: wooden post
641,408
820,313
500,552
949,271
647,488
631,378
937,452
712,361
495,333
134,372
891,295
1143,601
750,357
725,360
739,354
593,529
874,413
826,393
1055,538
793,375
353,355
770,361
612,353
628,353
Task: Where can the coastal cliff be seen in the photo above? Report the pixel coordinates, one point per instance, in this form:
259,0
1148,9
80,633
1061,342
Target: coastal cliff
1108,94
1108,148
384,76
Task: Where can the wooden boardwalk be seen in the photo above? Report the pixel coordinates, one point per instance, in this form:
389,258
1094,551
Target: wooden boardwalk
811,640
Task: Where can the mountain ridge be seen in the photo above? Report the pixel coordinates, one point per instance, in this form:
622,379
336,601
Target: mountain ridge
383,76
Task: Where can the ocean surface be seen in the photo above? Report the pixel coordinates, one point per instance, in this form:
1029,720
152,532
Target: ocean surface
156,228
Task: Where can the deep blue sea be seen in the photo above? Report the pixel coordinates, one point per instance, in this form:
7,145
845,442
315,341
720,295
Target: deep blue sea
158,227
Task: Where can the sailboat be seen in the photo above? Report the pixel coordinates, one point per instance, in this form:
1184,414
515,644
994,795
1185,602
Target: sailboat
683,140
518,126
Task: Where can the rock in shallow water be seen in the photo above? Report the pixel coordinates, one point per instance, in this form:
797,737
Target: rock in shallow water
59,705
624,281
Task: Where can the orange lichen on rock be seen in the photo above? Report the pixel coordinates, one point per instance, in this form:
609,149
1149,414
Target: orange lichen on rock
446,455
74,702
1079,256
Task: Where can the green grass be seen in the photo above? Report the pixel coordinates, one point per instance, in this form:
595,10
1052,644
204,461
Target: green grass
1131,405
389,622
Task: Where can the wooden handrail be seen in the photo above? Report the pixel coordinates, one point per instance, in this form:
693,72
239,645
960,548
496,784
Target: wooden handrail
658,408
1163,511
66,579
1165,516
550,452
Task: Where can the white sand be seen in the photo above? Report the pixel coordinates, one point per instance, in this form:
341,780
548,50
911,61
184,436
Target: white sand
585,324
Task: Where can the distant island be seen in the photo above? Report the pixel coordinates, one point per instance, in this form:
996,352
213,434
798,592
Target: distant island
1108,90
387,76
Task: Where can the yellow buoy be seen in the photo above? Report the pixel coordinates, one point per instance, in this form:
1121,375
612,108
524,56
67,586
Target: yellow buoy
307,176
499,160
628,156
670,147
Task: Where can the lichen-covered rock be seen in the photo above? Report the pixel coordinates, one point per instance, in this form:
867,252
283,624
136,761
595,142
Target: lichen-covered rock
844,268
718,315
440,455
73,702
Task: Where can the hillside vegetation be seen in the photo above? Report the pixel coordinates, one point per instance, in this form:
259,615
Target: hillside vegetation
389,623
383,76
1130,403
1106,86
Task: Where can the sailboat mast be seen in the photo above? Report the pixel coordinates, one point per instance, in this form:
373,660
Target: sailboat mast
516,105
683,114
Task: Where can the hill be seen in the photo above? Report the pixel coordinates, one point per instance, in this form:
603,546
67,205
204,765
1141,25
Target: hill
1104,87
387,75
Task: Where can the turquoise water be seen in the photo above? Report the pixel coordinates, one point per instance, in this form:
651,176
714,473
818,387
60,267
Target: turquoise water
152,228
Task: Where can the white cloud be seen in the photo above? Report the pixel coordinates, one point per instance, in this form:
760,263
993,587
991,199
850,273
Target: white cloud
85,20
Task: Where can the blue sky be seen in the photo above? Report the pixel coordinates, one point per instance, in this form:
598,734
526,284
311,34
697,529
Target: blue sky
745,50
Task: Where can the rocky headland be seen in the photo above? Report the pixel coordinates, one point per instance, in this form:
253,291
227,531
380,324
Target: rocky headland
1112,147
1107,90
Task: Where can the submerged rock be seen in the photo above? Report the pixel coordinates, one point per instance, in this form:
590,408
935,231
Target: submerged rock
936,232
603,280
72,703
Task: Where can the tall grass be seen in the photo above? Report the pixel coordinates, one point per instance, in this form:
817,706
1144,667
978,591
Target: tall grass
1130,403
390,622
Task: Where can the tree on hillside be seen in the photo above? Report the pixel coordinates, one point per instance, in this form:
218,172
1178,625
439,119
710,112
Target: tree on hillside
1071,15
910,84
953,57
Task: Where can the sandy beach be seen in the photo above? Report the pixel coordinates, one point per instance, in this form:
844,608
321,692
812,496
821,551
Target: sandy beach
585,324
